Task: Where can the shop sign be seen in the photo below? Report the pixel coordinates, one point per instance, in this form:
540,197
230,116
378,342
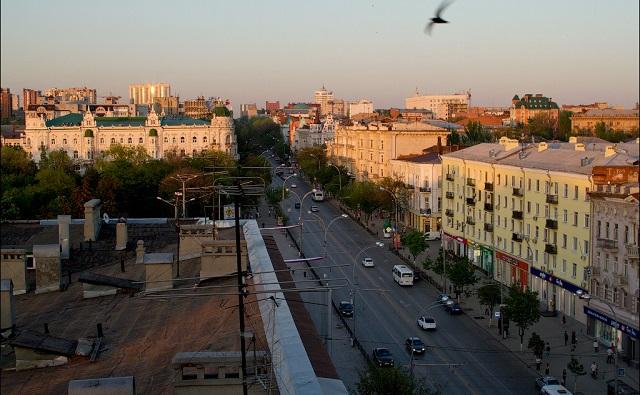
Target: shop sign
456,238
629,330
557,281
512,260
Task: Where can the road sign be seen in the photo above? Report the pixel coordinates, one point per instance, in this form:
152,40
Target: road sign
620,372
388,229
497,315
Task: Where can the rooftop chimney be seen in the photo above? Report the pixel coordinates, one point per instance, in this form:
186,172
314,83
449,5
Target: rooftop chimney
542,146
439,145
573,139
609,150
579,147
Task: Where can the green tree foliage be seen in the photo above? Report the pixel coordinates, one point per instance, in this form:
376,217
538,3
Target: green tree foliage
542,125
415,242
577,369
461,273
522,308
607,133
365,196
475,133
274,195
383,381
311,160
257,134
489,295
564,125
536,345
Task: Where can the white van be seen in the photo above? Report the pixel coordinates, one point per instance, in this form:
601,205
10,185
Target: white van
402,275
317,196
433,235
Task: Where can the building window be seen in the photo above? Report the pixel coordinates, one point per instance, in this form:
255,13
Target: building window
586,247
615,231
575,243
575,218
575,192
75,141
140,140
121,140
204,139
64,141
586,220
113,140
174,140
566,191
564,240
189,373
129,140
529,184
626,234
166,139
75,154
101,140
537,185
574,269
182,140
195,139
528,207
53,141
564,266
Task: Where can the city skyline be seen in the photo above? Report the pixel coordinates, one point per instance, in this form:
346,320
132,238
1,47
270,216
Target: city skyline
366,49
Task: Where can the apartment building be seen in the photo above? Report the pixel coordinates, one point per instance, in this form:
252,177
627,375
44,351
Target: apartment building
443,106
612,314
360,107
196,108
145,93
529,106
323,97
622,120
6,104
522,213
84,95
366,150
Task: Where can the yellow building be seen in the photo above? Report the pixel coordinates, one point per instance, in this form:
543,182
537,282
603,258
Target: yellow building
623,120
366,150
522,214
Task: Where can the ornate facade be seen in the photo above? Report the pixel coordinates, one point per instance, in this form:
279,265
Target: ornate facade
84,137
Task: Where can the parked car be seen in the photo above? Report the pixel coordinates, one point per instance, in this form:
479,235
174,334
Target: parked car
432,235
346,309
315,209
367,262
554,390
546,380
442,298
427,323
415,345
453,308
382,357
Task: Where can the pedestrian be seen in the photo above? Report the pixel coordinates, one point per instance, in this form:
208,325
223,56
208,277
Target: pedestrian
538,362
609,355
263,224
594,369
573,340
546,369
547,350
595,346
566,338
564,376
564,319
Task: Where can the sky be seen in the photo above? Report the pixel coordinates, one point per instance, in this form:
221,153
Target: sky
575,51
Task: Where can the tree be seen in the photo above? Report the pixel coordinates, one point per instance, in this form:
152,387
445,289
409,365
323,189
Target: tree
536,345
461,273
607,133
475,133
542,125
383,381
522,308
564,125
415,242
577,369
489,295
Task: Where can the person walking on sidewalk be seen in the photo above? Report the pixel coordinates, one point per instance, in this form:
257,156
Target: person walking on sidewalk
538,363
546,370
566,338
595,346
573,340
547,350
564,376
609,355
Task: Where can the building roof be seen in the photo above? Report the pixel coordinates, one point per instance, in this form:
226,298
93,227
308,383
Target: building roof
45,343
427,158
561,157
607,113
75,119
535,102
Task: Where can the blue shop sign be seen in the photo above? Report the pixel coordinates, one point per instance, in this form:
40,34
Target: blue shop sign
629,330
557,281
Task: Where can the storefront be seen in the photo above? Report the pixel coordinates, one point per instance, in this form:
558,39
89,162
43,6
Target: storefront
609,330
512,270
556,293
456,244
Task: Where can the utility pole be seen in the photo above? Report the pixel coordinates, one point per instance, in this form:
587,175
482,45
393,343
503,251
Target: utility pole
241,293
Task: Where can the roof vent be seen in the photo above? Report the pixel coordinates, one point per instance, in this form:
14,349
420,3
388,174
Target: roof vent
492,153
579,147
584,161
522,154
542,146
573,139
609,150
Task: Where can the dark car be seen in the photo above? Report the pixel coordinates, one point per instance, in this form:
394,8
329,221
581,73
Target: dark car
415,345
453,308
346,309
297,205
416,277
382,357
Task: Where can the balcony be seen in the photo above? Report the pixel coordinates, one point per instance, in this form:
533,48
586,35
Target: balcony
471,182
621,279
607,244
488,186
517,192
595,271
551,224
488,227
449,177
471,221
425,189
550,249
448,212
516,237
471,201
449,195
632,251
408,185
425,211
488,207
552,199
516,214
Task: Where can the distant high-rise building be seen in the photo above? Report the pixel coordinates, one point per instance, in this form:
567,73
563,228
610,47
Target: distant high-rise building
248,110
167,105
145,93
6,108
272,106
31,96
15,102
196,108
442,106
84,95
360,107
322,97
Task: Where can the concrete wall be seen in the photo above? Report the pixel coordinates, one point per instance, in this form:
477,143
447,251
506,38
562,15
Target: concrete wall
13,265
92,219
160,270
7,305
48,271
121,236
219,258
192,237
64,221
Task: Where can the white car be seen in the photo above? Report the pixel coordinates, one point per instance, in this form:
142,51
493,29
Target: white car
367,262
427,323
315,209
293,185
554,390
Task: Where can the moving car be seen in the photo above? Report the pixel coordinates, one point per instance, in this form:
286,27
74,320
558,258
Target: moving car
294,186
297,205
453,308
382,357
346,309
314,209
367,262
442,298
426,323
415,345
555,390
546,380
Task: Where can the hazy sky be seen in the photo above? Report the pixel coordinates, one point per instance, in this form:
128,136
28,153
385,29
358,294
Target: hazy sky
575,51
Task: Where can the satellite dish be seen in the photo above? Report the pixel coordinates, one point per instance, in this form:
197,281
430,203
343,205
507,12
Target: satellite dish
105,217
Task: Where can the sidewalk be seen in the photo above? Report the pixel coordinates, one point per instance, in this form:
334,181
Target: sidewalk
550,329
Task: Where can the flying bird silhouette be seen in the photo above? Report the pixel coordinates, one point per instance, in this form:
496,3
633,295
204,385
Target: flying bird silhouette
437,18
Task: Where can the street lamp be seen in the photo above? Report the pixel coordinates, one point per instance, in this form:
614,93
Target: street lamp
285,182
585,296
395,204
326,229
175,206
339,175
300,252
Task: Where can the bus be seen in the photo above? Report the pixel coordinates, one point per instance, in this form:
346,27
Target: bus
402,275
317,196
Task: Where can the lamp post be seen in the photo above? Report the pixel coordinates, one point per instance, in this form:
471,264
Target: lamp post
395,204
285,182
300,252
585,296
175,206
326,229
339,175
353,291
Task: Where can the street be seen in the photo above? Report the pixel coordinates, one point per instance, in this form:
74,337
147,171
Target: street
461,358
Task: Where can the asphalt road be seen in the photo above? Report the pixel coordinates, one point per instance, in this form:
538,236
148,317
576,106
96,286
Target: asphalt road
461,357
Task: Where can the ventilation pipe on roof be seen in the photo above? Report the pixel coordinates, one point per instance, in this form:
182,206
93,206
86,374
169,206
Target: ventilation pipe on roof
609,150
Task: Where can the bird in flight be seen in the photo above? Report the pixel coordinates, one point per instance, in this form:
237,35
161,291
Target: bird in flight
437,18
